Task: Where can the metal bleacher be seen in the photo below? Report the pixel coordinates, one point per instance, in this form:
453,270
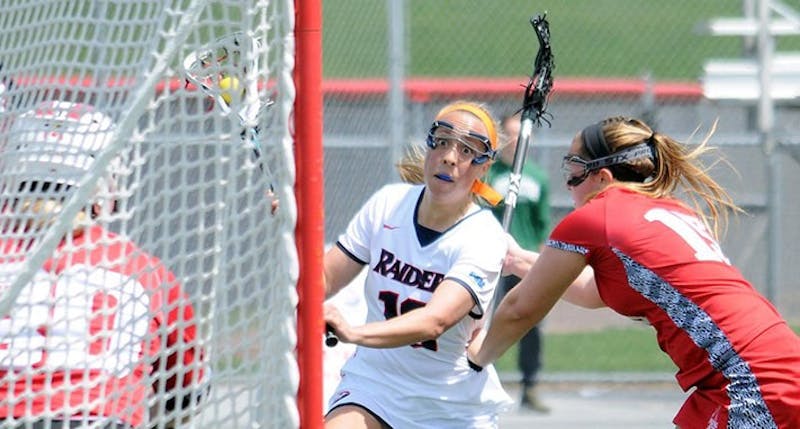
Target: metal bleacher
764,82
737,80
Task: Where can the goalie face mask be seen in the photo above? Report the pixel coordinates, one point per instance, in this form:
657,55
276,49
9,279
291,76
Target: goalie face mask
52,147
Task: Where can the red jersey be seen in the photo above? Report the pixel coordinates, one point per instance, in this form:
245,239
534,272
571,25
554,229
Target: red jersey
86,332
654,259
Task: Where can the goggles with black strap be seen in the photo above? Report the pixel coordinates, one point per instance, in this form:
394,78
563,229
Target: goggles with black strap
571,163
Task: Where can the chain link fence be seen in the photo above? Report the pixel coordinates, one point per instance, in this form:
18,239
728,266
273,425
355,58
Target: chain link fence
389,66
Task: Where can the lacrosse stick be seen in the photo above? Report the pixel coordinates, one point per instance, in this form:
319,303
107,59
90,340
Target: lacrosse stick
227,71
331,340
534,105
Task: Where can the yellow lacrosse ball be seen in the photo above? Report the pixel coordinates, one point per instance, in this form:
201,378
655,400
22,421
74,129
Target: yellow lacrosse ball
226,85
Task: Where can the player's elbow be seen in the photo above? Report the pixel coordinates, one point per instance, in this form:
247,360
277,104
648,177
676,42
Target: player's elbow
591,303
433,330
584,294
516,313
515,309
434,326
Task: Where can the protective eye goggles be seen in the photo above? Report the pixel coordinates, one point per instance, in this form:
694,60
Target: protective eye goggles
571,163
442,135
574,170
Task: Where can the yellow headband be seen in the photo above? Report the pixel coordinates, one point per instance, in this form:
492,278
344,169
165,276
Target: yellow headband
477,111
478,187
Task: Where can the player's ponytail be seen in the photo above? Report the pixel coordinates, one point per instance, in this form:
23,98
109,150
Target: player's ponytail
672,166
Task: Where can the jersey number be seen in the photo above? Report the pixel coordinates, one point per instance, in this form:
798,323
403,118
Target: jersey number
392,309
692,231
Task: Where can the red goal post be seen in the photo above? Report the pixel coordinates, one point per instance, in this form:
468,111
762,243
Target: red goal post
310,213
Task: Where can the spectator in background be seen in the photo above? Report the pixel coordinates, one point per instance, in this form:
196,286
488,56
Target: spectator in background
654,256
530,225
103,334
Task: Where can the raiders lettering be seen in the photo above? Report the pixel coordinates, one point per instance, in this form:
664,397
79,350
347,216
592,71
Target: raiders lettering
391,267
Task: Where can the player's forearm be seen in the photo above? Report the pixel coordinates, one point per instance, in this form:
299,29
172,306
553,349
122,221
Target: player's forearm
331,287
524,306
338,271
327,289
327,282
476,342
519,261
505,330
410,328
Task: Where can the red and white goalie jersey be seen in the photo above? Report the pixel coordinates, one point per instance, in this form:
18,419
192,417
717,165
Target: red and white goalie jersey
90,334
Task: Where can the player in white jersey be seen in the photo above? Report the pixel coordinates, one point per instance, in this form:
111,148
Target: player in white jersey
433,256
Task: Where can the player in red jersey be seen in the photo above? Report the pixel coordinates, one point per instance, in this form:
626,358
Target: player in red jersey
103,335
655,258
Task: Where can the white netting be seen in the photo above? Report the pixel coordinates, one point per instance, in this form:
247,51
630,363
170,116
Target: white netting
135,192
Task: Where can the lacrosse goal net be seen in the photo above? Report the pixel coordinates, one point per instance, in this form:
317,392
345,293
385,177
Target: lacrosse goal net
163,127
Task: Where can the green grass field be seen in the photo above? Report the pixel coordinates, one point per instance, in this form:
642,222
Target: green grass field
590,38
611,350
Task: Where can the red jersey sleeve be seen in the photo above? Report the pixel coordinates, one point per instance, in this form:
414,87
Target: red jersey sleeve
582,230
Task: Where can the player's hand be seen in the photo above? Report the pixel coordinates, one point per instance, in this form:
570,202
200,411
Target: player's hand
334,319
274,202
473,347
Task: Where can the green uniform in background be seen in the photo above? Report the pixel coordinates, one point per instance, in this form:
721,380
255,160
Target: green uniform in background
530,226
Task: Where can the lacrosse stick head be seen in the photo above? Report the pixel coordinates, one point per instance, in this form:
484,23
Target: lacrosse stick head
534,104
227,71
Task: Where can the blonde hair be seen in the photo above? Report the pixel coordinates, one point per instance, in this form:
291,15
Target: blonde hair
411,167
674,167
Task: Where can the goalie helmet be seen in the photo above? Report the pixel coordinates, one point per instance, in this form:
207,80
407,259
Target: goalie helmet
56,143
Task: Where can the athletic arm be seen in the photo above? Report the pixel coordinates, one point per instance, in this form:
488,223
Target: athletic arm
518,261
339,270
528,302
449,304
582,292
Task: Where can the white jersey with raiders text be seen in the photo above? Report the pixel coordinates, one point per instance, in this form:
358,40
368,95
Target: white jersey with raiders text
429,384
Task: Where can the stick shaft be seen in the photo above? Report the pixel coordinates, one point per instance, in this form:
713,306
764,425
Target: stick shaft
515,179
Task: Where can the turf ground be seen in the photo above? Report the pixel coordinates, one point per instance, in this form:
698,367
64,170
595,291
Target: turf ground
632,405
